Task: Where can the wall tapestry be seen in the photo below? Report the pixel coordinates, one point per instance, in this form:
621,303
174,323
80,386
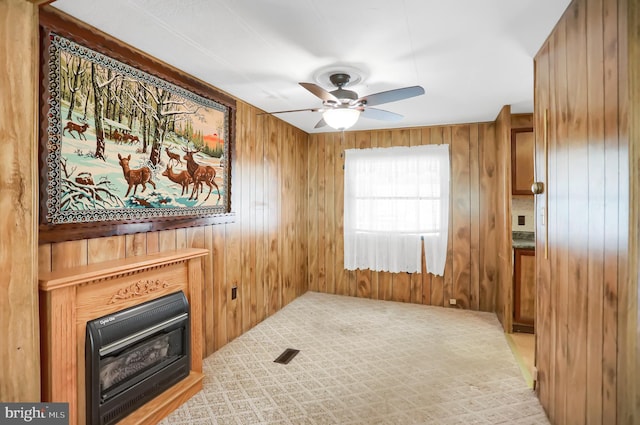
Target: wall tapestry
123,145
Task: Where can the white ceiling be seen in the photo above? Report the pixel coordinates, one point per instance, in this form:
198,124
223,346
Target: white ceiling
472,57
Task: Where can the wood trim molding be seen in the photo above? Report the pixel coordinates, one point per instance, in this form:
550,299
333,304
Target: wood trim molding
69,298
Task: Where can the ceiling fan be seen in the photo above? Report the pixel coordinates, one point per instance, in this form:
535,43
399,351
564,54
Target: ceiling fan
341,108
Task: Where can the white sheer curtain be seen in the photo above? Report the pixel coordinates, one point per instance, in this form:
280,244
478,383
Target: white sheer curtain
393,197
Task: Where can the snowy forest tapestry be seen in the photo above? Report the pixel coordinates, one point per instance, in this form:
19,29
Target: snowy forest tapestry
122,144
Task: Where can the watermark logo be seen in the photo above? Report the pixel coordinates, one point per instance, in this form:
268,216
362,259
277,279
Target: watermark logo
34,413
107,320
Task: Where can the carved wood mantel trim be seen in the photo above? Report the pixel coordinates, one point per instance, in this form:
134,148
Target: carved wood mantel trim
69,298
138,289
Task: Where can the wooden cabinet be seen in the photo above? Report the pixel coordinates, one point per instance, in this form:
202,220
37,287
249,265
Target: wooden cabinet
522,150
524,290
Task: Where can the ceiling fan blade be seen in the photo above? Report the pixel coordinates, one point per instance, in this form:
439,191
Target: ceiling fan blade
320,92
379,114
290,110
390,96
321,123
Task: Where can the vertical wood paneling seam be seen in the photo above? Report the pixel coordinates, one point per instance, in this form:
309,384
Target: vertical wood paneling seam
595,197
562,238
578,223
632,348
627,300
611,64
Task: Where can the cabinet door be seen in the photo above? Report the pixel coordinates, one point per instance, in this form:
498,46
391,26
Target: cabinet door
524,287
522,150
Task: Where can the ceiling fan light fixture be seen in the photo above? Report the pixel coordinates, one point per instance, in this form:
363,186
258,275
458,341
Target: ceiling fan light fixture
341,118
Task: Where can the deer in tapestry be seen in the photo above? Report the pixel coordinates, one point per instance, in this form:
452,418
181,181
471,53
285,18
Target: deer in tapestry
200,174
135,177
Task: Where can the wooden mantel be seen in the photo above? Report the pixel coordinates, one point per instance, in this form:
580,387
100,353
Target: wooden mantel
69,298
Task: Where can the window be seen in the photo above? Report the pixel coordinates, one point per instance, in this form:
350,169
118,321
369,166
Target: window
394,198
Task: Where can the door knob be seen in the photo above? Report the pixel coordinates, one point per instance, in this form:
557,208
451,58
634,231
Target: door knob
537,188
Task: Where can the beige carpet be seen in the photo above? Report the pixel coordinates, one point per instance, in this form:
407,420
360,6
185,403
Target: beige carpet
365,362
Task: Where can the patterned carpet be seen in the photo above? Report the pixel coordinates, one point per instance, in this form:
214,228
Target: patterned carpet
365,362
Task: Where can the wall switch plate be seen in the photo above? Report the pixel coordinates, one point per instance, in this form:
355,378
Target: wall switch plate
234,292
453,301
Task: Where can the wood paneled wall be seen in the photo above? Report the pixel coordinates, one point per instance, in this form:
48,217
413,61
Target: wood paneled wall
19,347
504,286
471,269
587,342
262,252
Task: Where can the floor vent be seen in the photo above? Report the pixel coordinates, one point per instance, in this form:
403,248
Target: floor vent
286,357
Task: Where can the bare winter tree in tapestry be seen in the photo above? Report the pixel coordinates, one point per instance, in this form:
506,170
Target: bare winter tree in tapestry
166,113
